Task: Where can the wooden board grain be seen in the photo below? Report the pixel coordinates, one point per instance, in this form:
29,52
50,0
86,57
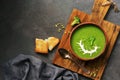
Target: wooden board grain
96,66
99,11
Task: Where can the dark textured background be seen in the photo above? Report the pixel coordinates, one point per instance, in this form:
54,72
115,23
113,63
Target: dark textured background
21,21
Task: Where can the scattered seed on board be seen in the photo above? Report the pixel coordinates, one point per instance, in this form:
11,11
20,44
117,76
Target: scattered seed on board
59,27
59,30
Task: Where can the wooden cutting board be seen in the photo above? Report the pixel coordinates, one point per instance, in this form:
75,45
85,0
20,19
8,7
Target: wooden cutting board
96,66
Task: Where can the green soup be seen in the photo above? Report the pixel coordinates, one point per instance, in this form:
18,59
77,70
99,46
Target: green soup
88,41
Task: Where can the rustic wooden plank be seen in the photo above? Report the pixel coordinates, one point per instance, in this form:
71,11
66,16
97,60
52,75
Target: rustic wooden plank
66,33
109,28
98,14
111,45
99,11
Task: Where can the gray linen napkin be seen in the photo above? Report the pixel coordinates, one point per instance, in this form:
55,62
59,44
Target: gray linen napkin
27,67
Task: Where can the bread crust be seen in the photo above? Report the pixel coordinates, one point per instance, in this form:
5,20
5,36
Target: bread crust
52,42
41,46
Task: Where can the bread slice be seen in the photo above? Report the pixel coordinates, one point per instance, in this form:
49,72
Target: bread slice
41,46
52,42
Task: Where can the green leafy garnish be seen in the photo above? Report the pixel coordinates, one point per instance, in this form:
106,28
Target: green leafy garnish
92,40
76,21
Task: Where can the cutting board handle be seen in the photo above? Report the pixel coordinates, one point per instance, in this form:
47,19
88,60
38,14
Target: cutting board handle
99,11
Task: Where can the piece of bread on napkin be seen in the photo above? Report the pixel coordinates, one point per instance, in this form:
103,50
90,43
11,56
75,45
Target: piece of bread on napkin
52,42
41,46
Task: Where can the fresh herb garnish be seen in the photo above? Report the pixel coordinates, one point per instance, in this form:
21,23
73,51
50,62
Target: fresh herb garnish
76,21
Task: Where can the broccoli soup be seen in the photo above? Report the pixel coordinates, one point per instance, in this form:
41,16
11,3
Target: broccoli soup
88,41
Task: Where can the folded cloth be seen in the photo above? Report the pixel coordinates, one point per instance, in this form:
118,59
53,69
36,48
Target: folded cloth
27,67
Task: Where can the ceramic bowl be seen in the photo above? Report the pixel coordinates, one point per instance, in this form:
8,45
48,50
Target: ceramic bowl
87,41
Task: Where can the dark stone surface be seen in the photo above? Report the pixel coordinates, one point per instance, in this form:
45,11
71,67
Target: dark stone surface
21,21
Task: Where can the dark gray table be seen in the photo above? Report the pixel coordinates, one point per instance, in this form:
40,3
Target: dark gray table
21,21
